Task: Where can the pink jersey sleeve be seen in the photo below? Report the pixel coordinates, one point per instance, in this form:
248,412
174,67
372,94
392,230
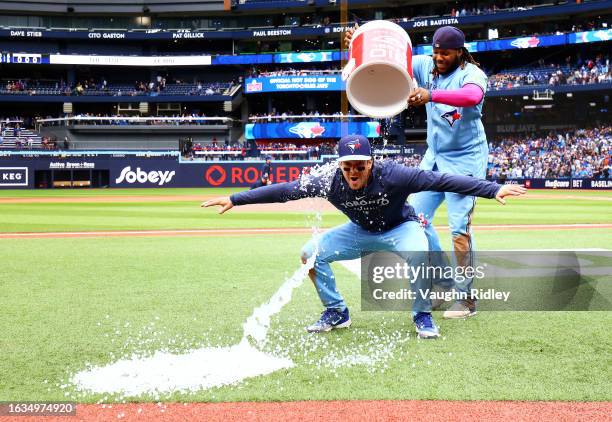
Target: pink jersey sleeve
467,96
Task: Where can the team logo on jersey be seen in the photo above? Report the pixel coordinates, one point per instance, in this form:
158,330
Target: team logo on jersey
451,117
353,145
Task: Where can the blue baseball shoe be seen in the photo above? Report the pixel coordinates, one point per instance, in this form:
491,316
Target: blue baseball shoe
425,325
331,319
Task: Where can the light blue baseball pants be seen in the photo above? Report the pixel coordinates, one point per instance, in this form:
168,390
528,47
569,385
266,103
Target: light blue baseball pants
349,241
460,209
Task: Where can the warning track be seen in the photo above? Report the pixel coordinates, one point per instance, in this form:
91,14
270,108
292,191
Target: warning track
351,410
267,231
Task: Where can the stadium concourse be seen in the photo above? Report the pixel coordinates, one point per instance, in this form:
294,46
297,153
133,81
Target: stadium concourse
118,119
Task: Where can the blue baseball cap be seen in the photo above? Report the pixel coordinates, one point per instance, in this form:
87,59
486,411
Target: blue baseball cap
354,147
448,37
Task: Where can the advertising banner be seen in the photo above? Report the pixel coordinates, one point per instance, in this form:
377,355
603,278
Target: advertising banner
595,184
13,177
522,42
130,60
293,83
307,57
132,171
590,36
310,130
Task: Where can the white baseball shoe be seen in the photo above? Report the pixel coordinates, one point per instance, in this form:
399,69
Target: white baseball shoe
461,309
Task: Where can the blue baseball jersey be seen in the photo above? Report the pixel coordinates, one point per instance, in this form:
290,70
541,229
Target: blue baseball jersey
381,204
456,140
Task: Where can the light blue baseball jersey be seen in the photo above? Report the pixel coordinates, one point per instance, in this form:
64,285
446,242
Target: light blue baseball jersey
456,140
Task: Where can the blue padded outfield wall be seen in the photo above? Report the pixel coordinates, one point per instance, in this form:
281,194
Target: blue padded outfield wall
143,170
152,170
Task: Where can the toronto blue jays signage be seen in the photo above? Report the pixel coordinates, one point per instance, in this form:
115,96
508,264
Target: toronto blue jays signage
310,130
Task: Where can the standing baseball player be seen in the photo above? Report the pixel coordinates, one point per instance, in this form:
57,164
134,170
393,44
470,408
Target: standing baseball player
373,196
266,174
452,88
266,169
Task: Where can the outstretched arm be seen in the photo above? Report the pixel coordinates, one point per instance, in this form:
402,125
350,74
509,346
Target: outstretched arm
416,180
509,190
280,192
224,201
468,95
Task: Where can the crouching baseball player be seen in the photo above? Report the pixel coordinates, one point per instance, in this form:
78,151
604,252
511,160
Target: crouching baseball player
373,196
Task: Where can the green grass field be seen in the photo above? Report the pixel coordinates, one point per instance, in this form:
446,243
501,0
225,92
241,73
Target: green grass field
70,302
187,214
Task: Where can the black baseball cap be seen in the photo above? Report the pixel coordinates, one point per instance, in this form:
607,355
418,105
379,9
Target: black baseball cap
448,37
354,147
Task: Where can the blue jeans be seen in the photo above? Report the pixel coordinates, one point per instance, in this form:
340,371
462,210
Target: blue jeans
460,209
349,241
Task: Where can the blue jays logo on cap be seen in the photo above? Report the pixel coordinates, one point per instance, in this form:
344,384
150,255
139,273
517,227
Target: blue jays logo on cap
354,147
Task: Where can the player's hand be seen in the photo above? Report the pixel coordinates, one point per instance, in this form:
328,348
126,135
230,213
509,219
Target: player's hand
419,97
509,190
224,201
348,36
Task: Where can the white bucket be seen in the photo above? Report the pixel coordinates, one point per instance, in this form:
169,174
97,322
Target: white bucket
379,71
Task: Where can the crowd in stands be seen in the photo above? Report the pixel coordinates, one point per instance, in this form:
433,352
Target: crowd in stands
139,88
124,120
214,151
582,72
580,153
101,87
288,71
592,71
290,116
412,160
467,9
486,9
309,151
18,133
572,72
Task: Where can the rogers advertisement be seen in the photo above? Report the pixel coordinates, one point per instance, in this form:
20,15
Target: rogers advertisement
236,175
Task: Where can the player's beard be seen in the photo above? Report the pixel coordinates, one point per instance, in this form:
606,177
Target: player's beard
450,68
